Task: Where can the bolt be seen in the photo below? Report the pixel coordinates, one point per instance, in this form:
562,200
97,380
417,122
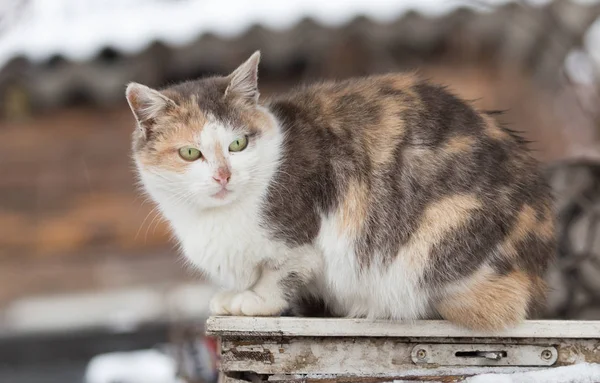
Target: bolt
547,354
421,354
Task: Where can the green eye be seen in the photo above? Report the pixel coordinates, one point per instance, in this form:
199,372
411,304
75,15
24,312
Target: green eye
189,154
239,144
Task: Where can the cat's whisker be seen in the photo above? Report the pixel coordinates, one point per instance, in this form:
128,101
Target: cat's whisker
150,225
154,210
159,218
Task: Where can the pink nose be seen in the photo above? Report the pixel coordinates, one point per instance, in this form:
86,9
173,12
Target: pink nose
222,176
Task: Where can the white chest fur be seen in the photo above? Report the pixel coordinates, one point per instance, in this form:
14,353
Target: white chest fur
227,244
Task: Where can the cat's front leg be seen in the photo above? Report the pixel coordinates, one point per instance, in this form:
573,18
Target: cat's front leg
265,298
221,302
259,302
272,292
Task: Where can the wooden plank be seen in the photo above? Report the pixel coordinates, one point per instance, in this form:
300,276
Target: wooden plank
343,327
363,356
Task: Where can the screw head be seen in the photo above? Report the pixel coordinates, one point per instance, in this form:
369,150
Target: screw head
421,354
547,354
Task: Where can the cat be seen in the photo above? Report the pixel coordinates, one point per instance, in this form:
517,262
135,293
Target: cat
382,197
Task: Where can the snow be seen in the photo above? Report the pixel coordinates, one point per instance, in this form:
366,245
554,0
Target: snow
146,366
77,29
120,310
592,41
578,373
151,366
580,68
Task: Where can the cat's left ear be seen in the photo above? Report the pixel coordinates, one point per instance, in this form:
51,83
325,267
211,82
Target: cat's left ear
243,82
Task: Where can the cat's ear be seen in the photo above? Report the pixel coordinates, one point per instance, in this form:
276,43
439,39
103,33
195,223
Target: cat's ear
243,82
146,104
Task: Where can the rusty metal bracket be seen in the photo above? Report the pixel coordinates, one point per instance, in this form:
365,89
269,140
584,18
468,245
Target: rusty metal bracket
484,355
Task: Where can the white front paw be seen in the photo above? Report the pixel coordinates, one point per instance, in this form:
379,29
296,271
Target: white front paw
248,303
220,304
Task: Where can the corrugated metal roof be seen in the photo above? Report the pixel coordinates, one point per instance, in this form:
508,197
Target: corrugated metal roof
137,41
78,30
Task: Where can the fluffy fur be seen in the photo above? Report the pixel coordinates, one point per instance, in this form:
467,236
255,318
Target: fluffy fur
378,197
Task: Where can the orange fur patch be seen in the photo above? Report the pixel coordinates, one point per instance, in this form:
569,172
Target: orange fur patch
459,144
180,127
382,142
488,301
259,120
439,218
492,129
527,225
545,227
402,81
353,211
382,139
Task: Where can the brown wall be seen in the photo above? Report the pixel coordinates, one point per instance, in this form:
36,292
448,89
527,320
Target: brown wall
70,215
67,187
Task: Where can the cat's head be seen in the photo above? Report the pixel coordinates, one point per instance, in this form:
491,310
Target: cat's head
205,143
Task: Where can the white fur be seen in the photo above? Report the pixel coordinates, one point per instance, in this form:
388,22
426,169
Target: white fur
375,292
224,239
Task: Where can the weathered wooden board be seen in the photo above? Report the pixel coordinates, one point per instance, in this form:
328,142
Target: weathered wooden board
326,327
350,350
364,356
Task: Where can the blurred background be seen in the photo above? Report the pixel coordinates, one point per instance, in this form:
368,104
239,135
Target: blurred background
87,268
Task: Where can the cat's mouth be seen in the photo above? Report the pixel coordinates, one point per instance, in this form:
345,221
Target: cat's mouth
221,194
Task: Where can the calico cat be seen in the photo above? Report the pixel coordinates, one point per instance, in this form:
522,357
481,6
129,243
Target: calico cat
382,197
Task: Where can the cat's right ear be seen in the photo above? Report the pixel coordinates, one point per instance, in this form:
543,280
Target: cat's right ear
146,104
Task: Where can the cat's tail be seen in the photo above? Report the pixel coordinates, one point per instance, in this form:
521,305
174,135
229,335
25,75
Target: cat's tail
493,301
